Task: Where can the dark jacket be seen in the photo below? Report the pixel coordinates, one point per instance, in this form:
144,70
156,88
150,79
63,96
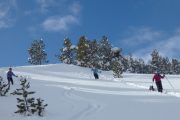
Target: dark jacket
10,74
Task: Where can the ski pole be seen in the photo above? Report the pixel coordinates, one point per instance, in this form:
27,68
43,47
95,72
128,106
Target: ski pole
152,82
170,84
91,74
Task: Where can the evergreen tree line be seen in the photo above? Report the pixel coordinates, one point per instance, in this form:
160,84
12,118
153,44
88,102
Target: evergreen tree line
101,54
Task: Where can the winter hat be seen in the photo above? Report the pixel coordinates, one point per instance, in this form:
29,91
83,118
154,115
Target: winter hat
157,72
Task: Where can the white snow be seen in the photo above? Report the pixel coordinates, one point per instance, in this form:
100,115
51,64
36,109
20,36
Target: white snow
115,49
72,93
73,46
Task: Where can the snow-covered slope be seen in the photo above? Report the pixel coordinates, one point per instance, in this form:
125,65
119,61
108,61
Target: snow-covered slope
72,93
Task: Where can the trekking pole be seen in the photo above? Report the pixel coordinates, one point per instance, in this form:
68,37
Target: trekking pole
91,74
170,84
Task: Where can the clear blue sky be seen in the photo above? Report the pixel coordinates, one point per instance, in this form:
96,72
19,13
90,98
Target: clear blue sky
136,26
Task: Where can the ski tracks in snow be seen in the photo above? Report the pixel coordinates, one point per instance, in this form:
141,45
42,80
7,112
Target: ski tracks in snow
125,86
81,112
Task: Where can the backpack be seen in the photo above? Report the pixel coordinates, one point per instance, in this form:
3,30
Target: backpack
151,88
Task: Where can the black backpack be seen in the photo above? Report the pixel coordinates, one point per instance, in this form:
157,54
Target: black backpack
151,88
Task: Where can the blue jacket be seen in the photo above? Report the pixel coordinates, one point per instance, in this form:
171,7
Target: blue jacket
95,70
10,74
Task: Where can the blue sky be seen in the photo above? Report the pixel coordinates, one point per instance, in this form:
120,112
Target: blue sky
136,26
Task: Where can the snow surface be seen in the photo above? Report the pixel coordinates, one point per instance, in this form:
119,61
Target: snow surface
72,93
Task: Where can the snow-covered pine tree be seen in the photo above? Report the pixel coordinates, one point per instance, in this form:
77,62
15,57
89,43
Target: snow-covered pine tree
131,64
37,53
104,54
27,105
165,65
155,60
175,66
136,65
117,68
92,60
159,63
68,53
4,88
116,63
139,66
82,54
148,68
125,63
142,66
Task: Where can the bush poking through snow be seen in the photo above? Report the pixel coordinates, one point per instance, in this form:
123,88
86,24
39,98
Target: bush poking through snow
4,88
26,105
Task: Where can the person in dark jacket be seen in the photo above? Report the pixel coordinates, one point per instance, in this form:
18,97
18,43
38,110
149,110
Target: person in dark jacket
10,75
157,78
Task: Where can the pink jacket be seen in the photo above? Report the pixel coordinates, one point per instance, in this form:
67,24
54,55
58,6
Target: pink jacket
157,77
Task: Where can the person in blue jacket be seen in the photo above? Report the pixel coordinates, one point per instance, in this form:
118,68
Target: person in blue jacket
95,72
10,75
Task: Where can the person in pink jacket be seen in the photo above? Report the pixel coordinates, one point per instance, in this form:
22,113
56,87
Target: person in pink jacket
157,78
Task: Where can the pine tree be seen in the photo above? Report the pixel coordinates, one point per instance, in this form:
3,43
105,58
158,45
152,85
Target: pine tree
155,61
82,54
4,88
131,64
139,65
175,66
125,63
92,59
37,53
117,62
104,54
25,105
117,69
68,55
149,69
165,65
